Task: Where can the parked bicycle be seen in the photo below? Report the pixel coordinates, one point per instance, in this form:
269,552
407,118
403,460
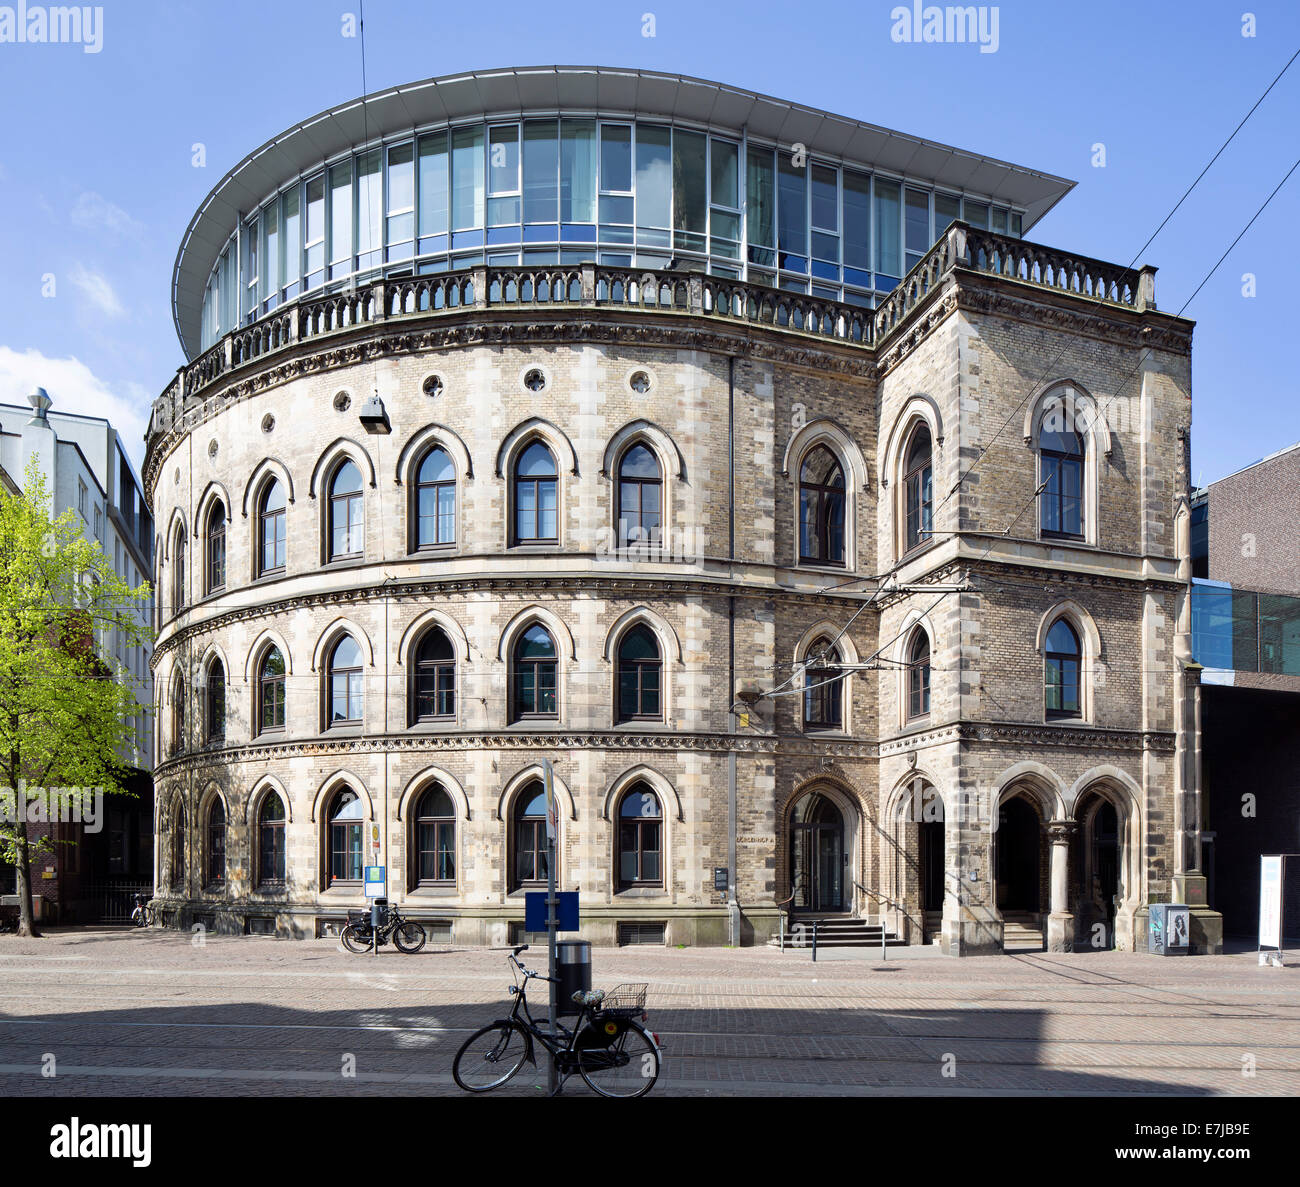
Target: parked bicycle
607,1046
143,915
358,935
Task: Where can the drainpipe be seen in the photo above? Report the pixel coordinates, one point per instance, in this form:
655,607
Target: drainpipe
733,906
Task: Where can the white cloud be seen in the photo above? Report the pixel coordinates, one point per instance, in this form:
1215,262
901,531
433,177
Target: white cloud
93,212
74,388
97,290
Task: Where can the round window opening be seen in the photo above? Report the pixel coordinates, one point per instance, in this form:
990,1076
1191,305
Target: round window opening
639,382
433,385
342,402
268,423
535,379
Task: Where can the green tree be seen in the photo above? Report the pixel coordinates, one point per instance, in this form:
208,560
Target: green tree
65,713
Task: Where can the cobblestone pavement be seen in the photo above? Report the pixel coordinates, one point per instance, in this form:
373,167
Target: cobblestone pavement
148,1014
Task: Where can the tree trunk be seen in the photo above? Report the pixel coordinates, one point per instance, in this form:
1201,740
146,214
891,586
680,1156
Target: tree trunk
26,916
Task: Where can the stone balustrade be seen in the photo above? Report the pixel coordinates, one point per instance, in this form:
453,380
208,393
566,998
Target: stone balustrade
693,294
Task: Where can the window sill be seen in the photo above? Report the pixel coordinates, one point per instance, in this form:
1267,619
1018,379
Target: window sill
626,893
439,891
1077,721
916,550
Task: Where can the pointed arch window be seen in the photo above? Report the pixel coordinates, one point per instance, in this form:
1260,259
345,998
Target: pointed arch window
346,820
640,838
536,671
435,678
1062,665
435,500
216,847
178,849
821,508
271,537
536,495
178,571
640,676
345,683
346,512
531,857
270,843
918,489
1060,462
216,542
435,838
270,691
918,676
178,714
640,498
823,698
215,701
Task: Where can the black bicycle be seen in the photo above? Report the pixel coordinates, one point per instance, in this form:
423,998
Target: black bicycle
358,935
607,1046
143,915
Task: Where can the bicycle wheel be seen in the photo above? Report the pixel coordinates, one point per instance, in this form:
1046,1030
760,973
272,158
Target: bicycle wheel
489,1057
353,940
409,937
627,1068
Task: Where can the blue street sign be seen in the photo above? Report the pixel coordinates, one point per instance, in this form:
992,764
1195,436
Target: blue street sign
374,881
566,910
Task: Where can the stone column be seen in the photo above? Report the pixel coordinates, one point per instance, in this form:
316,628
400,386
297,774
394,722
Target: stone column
1060,922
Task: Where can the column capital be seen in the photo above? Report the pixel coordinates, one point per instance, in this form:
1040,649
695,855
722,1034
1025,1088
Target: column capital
1060,831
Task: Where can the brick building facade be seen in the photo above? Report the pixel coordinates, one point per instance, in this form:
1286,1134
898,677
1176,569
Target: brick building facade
860,686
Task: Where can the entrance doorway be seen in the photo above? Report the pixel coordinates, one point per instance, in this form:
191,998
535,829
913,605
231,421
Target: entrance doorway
1019,845
817,855
932,865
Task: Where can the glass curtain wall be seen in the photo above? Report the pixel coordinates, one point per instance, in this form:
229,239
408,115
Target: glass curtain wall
569,190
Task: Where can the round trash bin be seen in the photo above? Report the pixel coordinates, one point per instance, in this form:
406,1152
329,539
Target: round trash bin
573,970
378,912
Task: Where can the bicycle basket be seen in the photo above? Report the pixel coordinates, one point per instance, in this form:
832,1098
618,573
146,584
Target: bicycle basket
359,918
627,999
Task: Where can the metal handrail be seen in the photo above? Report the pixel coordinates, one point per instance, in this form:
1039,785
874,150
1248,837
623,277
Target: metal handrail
884,898
785,902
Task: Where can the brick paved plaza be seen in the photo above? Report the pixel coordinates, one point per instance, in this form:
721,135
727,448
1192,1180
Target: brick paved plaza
148,1014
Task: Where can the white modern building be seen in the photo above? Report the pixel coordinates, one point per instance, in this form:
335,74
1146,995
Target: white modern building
89,471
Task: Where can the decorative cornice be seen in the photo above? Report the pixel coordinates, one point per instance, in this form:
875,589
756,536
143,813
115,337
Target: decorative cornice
825,752
604,587
1032,735
500,327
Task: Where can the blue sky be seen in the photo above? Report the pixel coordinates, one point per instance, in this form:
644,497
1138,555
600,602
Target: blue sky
97,185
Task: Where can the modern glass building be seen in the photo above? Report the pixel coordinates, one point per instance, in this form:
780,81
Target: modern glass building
564,165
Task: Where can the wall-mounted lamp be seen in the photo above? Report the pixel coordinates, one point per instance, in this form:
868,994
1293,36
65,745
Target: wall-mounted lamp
374,417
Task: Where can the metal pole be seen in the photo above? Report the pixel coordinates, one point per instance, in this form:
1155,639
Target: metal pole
814,941
552,923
